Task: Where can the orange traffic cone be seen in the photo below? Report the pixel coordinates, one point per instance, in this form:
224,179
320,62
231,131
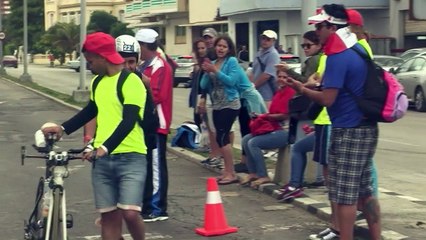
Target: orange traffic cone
214,216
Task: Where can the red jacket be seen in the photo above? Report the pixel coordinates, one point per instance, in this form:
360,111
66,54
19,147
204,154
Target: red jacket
161,84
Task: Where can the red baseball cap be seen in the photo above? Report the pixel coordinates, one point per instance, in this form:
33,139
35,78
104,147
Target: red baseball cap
104,45
354,17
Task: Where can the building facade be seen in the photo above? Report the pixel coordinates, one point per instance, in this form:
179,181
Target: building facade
69,10
248,19
179,22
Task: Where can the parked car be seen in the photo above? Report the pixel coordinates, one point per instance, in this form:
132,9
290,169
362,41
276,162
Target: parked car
10,61
183,73
75,64
412,75
387,62
292,61
413,53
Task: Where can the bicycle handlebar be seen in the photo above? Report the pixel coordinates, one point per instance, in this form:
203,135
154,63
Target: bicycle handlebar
70,154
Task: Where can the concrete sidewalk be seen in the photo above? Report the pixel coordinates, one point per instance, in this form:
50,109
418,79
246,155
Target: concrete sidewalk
315,200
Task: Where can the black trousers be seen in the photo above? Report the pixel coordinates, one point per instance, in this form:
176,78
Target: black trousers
157,179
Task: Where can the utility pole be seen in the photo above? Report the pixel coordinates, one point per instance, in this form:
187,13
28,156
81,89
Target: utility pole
82,94
82,37
2,12
25,76
309,8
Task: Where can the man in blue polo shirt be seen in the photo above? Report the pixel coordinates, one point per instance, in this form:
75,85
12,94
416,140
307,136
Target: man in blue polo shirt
264,72
354,138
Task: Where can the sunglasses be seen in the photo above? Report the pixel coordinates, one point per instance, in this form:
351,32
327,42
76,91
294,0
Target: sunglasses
307,45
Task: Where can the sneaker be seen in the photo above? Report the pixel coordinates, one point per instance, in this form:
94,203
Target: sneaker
205,161
290,193
241,168
153,217
327,234
215,162
315,184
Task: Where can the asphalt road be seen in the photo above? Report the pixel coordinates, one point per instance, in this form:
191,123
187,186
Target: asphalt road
22,112
400,156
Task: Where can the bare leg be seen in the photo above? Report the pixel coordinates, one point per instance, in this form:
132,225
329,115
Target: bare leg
134,224
214,147
334,220
227,154
346,215
111,225
371,210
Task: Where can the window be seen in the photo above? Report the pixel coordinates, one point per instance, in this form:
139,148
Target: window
404,67
180,35
417,65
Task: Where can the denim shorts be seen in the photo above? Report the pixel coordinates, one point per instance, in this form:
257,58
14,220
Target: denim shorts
118,181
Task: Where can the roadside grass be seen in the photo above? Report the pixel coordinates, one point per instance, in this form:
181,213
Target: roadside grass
64,97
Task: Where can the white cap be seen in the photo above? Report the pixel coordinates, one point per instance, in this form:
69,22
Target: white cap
146,35
270,34
323,17
210,32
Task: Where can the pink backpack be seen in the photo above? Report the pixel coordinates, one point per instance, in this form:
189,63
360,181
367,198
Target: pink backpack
384,99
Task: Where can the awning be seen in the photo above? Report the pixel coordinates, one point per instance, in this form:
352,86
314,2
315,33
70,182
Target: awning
203,23
147,24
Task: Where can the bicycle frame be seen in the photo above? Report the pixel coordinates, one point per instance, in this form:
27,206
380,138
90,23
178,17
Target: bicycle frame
52,222
58,175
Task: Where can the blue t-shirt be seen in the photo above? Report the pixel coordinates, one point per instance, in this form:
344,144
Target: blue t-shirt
345,71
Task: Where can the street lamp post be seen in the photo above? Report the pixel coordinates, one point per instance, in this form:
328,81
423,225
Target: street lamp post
308,9
2,71
82,94
25,76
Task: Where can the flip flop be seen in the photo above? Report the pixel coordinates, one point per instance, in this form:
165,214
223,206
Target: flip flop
257,183
247,182
227,181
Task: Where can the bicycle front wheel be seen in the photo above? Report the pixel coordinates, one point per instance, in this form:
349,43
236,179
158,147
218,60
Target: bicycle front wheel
56,230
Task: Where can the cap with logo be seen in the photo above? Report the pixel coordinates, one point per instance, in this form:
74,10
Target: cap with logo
270,34
104,45
324,17
211,32
146,35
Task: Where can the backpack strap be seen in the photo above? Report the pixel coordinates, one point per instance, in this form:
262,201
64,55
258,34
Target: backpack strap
120,82
270,83
95,84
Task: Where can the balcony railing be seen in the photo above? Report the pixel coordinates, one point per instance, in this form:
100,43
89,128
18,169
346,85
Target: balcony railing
147,5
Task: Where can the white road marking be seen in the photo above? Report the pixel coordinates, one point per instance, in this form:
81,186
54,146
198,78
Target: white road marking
397,142
148,236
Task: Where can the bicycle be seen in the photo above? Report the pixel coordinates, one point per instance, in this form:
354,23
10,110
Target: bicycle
49,219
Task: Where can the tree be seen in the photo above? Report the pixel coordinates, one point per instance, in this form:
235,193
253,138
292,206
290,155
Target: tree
62,39
120,28
13,24
101,21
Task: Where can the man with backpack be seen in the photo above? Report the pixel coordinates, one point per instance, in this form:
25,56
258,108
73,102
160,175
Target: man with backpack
119,142
159,75
354,137
264,72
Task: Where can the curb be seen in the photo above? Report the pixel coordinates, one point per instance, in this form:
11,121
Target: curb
319,209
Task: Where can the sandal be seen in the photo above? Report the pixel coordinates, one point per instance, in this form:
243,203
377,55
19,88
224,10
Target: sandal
246,182
225,181
256,184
